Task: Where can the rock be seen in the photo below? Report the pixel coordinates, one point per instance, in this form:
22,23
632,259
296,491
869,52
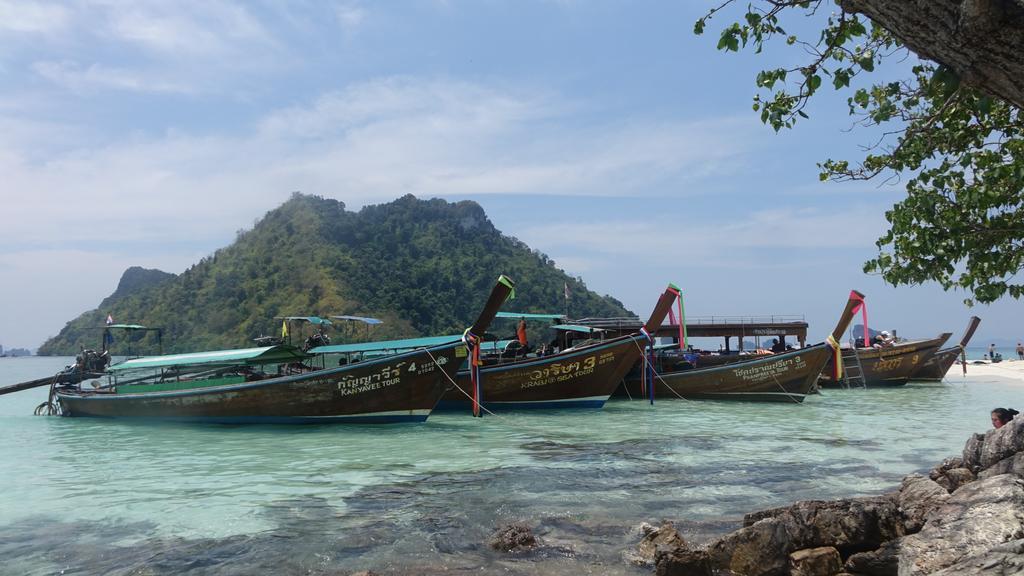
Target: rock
977,517
917,497
824,561
881,562
763,548
513,538
665,538
985,450
1002,443
947,464
1012,465
1002,560
958,477
972,452
683,562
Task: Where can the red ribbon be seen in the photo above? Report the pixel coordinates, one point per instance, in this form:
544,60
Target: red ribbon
863,308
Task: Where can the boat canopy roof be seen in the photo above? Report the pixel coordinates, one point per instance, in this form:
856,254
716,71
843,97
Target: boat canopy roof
129,327
577,328
530,316
363,319
310,319
393,346
264,355
386,345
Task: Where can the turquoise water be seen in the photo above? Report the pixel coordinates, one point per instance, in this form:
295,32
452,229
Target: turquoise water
101,497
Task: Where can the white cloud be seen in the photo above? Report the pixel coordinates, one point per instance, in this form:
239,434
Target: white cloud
370,143
96,77
743,235
32,17
350,15
208,28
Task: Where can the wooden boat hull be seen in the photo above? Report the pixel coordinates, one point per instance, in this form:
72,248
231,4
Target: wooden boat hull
401,388
936,367
892,366
785,377
583,378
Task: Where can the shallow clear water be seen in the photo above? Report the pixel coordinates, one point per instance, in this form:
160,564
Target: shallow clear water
84,496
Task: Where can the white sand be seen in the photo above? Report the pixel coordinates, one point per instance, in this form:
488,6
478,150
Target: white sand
1010,369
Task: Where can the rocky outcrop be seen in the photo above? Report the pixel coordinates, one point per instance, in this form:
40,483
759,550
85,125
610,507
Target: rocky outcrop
683,562
1002,560
995,446
1012,465
513,538
823,561
917,497
975,518
965,517
763,548
660,539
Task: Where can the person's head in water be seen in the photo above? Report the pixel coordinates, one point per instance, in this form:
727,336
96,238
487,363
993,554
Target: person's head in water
1002,416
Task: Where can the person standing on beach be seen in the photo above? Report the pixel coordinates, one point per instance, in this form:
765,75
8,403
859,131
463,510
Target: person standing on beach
991,351
1020,351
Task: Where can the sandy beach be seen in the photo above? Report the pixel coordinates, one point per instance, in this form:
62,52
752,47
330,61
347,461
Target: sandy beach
1009,369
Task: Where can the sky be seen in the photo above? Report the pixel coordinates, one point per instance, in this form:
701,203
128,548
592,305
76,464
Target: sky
602,133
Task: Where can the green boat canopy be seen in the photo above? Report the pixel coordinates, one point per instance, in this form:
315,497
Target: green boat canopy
394,346
530,316
244,356
363,319
386,345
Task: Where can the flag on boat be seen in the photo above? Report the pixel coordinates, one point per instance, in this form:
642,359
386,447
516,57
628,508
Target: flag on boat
110,319
565,285
284,328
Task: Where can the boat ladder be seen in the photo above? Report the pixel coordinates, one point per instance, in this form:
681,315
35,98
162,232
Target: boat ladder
853,372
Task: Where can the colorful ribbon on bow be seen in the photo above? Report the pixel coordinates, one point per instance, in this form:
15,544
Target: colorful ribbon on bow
837,358
682,315
472,342
863,308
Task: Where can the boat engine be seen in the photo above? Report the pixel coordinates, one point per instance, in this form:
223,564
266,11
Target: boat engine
92,361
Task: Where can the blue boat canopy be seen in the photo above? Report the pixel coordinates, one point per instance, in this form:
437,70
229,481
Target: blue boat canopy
530,316
243,356
577,328
363,319
129,327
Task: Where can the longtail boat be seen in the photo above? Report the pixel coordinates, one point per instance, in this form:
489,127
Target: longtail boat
233,386
891,365
579,377
783,377
934,369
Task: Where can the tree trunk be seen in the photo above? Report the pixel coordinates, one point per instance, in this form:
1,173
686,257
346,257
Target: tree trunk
981,40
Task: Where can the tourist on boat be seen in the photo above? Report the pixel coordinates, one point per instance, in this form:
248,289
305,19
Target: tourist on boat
884,340
521,332
778,345
1002,416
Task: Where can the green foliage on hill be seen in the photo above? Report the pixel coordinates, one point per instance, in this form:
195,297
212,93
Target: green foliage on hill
423,266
